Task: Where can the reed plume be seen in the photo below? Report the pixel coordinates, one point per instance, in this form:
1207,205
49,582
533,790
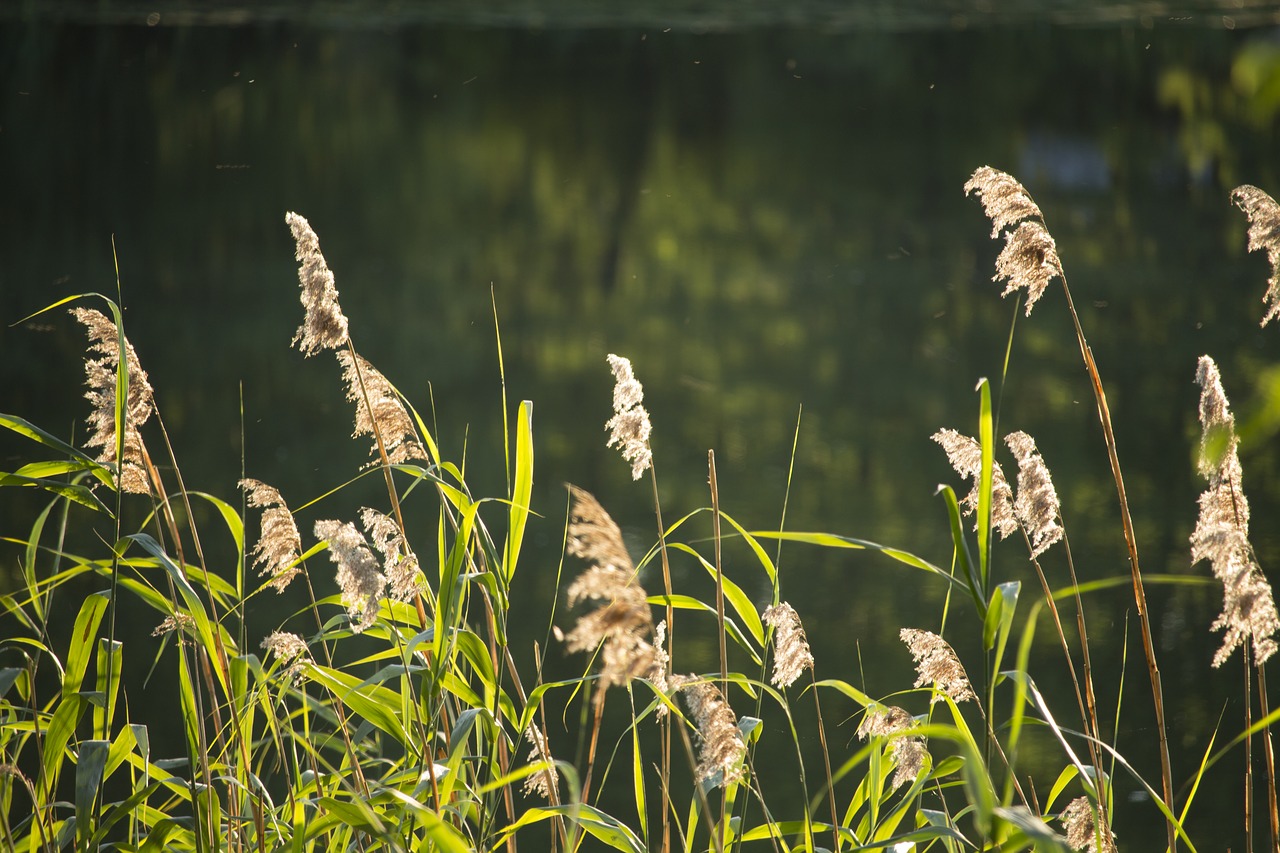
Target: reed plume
623,623
359,580
1036,507
279,544
937,663
1086,828
324,326
721,748
965,456
1222,529
399,563
291,650
1264,234
791,654
388,417
629,428
909,751
546,782
1029,259
100,376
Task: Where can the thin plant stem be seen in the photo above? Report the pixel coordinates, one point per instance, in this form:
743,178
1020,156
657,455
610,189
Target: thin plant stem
826,761
1131,541
671,631
1273,814
720,625
1248,749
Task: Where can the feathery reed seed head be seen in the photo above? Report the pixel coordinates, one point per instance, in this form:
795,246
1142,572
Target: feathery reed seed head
358,577
1036,507
279,544
1264,234
1081,821
623,623
547,780
324,326
389,416
1222,530
791,654
629,428
100,376
965,456
289,649
909,751
1029,258
399,563
937,663
1004,200
721,748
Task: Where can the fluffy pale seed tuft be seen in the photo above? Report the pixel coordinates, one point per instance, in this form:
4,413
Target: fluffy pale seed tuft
937,663
399,563
1222,530
623,622
593,534
389,416
965,456
1004,200
1084,830
629,428
791,653
546,782
100,377
358,577
324,326
1036,507
721,748
289,649
279,544
1029,260
909,751
1264,235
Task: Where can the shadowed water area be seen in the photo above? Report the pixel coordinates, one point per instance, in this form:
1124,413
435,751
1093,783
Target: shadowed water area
765,215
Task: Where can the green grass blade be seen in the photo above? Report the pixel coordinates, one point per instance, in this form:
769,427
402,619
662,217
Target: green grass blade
89,766
987,441
522,491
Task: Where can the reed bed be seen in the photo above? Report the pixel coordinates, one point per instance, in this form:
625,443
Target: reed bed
391,711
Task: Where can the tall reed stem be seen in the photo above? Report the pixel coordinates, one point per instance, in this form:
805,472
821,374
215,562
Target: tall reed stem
1131,541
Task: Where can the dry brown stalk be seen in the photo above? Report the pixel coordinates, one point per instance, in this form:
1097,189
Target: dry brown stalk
1041,263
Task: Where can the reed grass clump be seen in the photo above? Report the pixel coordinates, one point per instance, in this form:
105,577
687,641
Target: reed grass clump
434,730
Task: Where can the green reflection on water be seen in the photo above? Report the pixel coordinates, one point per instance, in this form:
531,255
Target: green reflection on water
761,220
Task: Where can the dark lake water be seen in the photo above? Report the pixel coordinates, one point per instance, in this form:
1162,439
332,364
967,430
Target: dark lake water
764,214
